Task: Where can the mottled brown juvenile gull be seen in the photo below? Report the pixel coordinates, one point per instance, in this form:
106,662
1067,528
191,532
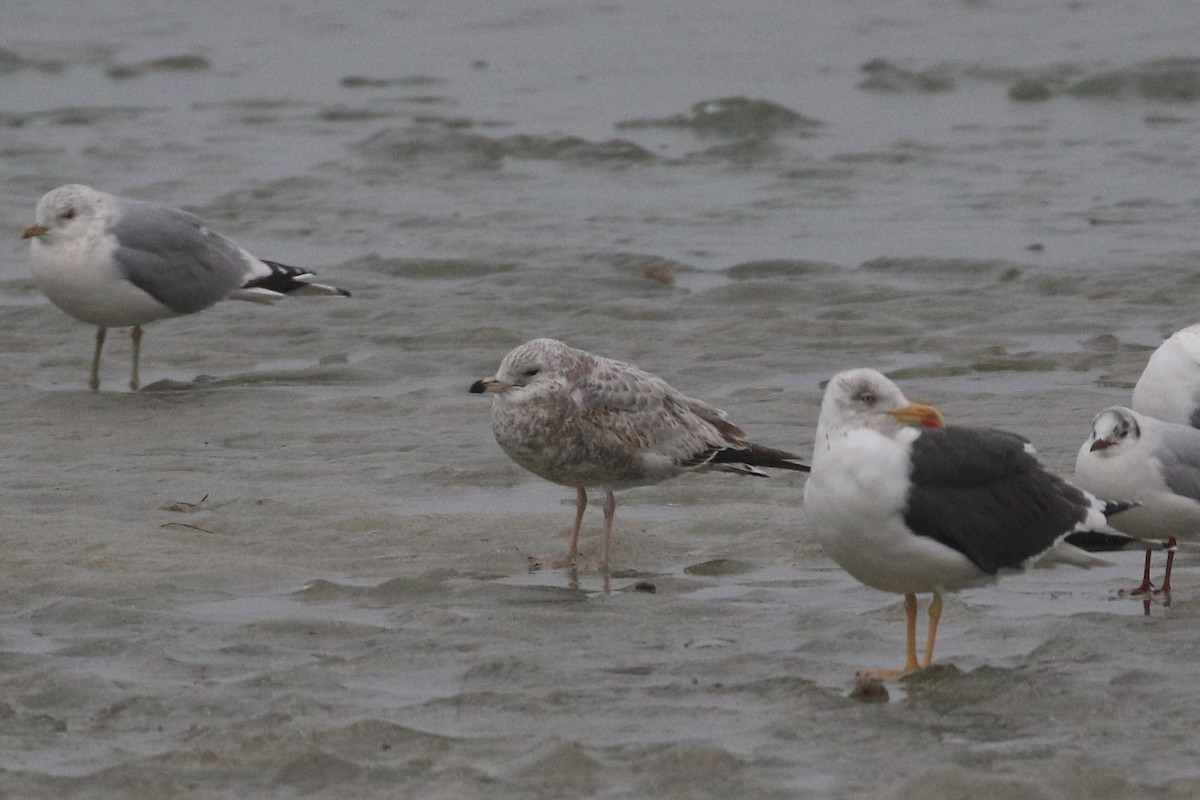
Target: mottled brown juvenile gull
113,262
1153,462
907,505
1169,387
582,420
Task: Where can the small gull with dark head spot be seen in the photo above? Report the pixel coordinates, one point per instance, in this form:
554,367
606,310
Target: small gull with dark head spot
581,420
1153,462
113,262
908,505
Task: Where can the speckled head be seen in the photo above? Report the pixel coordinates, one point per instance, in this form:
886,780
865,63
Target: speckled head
533,366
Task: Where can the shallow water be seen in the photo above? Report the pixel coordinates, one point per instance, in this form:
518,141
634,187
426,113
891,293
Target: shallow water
297,563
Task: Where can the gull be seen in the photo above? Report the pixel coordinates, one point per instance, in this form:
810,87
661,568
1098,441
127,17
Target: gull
582,420
114,262
1154,462
1169,387
907,505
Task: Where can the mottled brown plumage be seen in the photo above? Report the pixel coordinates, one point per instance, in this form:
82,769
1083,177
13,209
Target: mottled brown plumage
582,420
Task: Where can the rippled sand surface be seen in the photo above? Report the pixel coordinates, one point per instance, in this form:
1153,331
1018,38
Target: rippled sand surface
297,564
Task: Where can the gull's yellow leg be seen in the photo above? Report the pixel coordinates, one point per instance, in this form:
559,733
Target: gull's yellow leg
136,336
935,616
910,658
94,381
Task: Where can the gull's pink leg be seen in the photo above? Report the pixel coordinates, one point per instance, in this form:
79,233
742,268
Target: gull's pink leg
1171,544
610,508
580,505
1147,585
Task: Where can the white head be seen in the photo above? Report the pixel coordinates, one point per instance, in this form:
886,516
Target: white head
66,213
1115,431
865,399
536,367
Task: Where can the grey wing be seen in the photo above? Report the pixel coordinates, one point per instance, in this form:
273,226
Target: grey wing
979,491
1179,460
172,256
644,413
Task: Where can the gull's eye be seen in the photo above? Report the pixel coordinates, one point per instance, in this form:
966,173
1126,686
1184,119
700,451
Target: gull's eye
529,373
867,398
68,214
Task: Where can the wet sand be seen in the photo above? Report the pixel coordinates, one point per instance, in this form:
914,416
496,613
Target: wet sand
297,564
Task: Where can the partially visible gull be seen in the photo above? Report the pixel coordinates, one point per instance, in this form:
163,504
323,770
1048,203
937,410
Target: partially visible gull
582,420
1169,386
1153,462
113,262
907,505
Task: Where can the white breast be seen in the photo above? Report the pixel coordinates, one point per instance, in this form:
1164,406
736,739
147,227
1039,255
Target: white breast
855,499
81,279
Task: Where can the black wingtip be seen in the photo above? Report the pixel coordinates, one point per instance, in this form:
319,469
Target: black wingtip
286,279
1113,507
1104,542
755,455
761,456
794,466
